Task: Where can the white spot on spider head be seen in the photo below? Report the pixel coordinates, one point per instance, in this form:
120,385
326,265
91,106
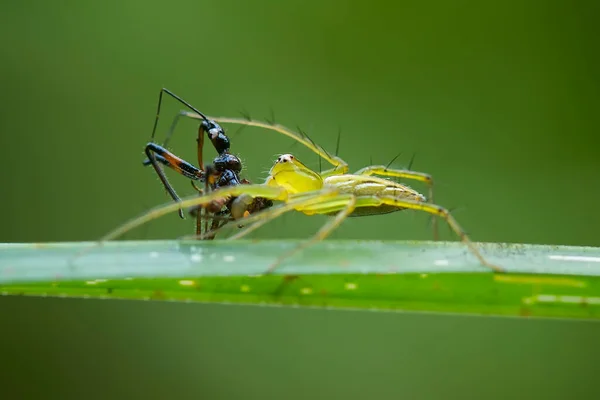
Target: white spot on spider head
187,283
350,286
285,158
306,290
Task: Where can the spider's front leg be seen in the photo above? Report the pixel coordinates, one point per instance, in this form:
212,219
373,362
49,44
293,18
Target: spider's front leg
340,166
268,192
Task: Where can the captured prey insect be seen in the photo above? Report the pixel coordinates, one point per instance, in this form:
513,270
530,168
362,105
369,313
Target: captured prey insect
224,171
334,192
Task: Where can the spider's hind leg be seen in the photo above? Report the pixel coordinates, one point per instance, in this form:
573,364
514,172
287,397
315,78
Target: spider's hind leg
383,170
436,210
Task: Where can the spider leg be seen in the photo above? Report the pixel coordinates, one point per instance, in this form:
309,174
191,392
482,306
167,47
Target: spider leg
344,204
433,209
445,214
256,220
269,192
348,208
383,170
325,201
339,166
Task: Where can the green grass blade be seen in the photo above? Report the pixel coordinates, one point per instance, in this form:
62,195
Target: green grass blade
556,281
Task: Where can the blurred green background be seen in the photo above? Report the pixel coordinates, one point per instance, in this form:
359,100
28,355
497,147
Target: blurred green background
91,349
498,99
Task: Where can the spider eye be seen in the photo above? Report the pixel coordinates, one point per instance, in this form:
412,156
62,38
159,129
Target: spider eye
285,158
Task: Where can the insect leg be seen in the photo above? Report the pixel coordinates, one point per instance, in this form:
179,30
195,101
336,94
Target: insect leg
172,161
169,159
200,141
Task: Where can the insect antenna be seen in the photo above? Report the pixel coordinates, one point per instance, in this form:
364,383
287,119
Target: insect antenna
179,99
